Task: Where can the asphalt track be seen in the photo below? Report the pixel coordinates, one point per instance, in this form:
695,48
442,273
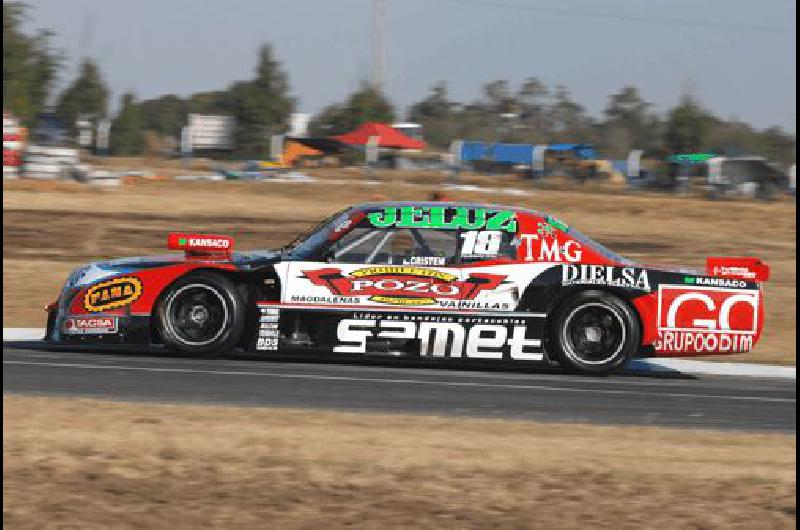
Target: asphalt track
716,402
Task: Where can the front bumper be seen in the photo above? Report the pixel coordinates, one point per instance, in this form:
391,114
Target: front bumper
63,328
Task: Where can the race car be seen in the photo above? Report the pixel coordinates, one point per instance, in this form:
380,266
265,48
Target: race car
439,281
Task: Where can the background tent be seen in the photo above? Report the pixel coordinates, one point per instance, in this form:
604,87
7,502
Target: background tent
293,151
325,145
387,137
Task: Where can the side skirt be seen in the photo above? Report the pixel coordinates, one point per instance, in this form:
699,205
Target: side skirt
414,334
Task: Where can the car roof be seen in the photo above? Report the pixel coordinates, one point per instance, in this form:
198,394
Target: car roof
447,204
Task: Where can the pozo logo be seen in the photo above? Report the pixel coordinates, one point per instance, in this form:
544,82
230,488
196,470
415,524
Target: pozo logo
112,294
397,285
704,320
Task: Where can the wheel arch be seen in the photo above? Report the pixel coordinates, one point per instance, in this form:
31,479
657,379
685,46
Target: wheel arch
241,279
554,296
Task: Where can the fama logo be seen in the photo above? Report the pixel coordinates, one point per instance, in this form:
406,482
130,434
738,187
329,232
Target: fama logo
398,285
629,277
112,294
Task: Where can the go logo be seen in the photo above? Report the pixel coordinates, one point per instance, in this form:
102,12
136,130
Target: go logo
707,309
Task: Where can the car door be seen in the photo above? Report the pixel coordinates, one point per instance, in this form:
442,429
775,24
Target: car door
489,257
387,267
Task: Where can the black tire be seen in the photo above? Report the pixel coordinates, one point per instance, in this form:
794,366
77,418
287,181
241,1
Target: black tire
201,314
594,332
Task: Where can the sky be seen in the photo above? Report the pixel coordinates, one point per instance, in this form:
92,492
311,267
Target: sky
737,57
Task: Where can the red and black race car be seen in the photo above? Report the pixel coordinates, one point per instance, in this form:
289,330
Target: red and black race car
439,281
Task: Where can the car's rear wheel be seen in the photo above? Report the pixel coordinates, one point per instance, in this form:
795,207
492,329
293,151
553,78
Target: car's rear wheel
594,332
201,314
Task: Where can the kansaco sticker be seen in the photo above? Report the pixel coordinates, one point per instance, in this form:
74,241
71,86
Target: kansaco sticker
112,294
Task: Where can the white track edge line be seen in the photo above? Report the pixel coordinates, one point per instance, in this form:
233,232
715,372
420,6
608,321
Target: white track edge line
687,366
400,381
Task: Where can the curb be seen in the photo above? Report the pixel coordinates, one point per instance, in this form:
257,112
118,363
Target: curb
687,366
684,366
23,334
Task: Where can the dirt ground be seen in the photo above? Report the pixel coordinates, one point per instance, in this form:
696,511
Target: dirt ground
50,227
74,463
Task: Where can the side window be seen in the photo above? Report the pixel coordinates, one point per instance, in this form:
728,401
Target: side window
482,245
396,247
430,247
354,247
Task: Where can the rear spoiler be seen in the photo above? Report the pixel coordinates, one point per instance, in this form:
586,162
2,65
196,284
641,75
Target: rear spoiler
750,269
201,246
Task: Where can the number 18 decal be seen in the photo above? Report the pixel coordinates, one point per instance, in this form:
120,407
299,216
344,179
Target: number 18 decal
485,243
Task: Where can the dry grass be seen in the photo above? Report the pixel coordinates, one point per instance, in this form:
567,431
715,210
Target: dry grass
74,463
49,226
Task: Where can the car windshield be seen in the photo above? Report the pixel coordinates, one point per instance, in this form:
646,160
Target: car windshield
314,236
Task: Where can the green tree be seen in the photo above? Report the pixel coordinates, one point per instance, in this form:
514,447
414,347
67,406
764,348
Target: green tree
532,100
435,106
499,99
127,128
569,119
88,94
165,115
629,123
779,146
365,105
214,102
328,122
261,107
687,127
436,115
30,65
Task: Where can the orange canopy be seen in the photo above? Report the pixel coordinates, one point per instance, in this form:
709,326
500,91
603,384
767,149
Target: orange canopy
294,150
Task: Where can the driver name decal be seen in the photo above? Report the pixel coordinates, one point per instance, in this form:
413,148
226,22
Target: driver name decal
445,218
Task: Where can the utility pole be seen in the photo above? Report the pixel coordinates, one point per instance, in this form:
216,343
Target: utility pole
378,51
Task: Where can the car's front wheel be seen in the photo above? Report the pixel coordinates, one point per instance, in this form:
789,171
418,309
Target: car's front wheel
201,314
594,332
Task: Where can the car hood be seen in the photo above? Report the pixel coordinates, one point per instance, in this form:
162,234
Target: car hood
671,268
244,260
